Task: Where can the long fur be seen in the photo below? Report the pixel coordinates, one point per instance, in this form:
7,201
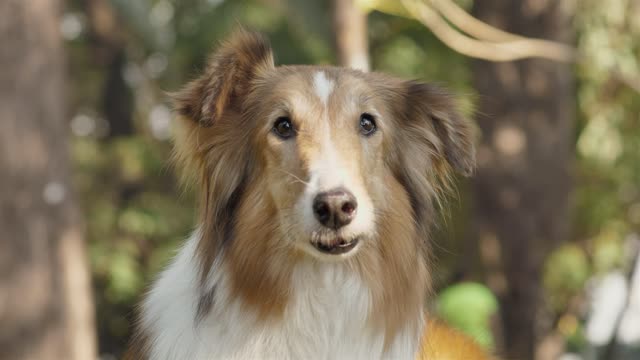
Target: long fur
245,284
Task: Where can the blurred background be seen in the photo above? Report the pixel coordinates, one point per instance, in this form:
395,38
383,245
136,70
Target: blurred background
537,254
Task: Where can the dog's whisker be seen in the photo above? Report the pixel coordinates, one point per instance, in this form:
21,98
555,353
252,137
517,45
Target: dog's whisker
293,176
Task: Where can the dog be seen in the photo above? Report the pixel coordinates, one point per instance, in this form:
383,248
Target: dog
317,188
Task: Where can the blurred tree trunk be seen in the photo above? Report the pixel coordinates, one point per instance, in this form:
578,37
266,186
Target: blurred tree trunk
46,310
108,46
525,158
350,32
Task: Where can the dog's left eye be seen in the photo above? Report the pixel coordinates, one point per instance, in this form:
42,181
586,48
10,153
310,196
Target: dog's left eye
283,127
367,124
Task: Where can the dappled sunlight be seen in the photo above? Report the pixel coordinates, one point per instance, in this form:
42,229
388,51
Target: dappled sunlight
509,140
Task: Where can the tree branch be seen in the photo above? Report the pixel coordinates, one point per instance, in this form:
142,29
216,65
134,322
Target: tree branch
518,48
469,24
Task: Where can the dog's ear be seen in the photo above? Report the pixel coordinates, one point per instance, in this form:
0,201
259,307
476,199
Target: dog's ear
211,146
209,107
226,79
434,124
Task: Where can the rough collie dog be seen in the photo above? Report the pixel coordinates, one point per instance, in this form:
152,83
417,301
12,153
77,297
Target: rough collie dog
317,186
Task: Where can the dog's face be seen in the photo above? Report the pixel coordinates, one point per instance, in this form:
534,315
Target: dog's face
335,151
321,142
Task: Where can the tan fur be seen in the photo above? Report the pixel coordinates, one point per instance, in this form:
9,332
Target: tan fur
397,265
217,97
252,256
249,180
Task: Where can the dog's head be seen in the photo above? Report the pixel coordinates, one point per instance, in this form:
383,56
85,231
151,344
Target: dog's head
319,158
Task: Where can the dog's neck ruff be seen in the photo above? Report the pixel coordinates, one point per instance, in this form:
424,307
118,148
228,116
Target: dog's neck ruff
327,317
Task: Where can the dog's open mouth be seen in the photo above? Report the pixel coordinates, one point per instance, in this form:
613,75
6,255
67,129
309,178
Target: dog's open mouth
337,246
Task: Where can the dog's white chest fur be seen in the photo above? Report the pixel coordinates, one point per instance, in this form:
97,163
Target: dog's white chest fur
326,318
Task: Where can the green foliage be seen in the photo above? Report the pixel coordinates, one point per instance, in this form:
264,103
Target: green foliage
608,108
607,194
469,307
565,273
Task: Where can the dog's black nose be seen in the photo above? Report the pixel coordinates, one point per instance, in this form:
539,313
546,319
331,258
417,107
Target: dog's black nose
335,208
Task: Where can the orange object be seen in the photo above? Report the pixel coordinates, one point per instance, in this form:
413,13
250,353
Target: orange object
441,342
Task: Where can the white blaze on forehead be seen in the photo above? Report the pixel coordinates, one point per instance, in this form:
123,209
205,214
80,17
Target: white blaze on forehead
322,86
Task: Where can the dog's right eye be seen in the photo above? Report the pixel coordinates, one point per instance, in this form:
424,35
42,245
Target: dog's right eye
283,127
367,124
